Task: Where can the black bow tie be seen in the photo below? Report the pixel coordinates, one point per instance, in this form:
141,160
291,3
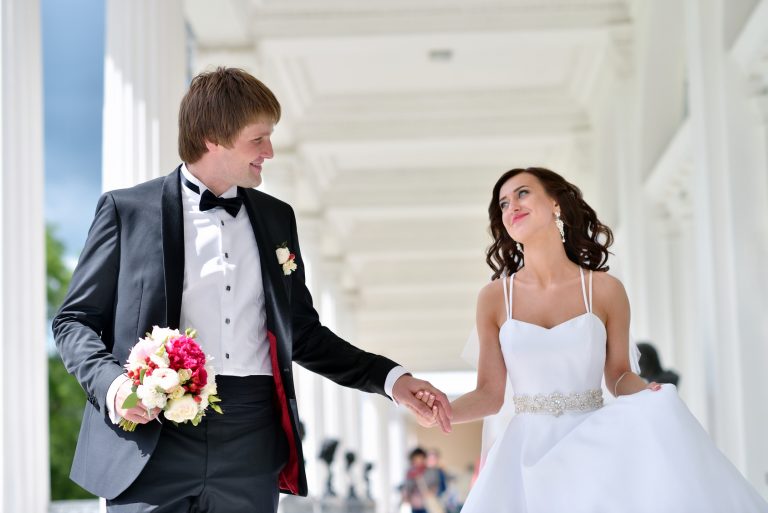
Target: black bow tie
209,200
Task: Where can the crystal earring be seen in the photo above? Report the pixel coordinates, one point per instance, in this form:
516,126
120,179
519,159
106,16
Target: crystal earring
559,224
519,247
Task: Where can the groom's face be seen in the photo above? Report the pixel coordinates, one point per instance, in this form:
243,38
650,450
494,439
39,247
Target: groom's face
241,163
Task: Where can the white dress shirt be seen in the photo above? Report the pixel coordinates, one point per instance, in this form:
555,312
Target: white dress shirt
223,293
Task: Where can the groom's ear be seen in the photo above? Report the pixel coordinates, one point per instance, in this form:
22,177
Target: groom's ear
212,147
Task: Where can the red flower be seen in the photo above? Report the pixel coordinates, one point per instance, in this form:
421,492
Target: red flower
185,353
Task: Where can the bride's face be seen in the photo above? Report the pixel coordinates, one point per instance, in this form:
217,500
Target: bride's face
527,211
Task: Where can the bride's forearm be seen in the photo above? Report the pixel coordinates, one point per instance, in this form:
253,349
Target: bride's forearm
475,405
628,383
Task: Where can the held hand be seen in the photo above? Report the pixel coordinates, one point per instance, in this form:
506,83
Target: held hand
429,400
653,386
404,392
138,413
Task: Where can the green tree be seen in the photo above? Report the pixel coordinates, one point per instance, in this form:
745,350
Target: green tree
66,398
58,274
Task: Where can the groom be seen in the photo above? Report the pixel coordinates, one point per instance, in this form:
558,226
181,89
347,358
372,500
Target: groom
199,249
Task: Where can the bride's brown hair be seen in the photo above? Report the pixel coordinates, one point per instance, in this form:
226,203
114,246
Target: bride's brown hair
586,238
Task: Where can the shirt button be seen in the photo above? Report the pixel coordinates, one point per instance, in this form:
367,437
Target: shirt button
222,223
226,355
226,320
226,255
229,288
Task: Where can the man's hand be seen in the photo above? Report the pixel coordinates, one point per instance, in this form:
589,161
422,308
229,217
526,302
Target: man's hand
138,413
427,412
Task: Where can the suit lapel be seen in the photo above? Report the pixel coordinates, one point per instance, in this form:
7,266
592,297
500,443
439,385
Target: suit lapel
172,231
275,296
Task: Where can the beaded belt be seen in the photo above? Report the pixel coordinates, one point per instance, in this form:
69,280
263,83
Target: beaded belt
556,403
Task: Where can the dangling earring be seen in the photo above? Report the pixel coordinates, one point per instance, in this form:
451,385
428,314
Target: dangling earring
559,224
519,247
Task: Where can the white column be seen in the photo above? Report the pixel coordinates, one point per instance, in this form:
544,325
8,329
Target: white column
310,390
388,453
729,230
144,81
399,448
24,467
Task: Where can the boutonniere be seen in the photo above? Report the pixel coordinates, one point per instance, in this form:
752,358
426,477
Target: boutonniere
286,259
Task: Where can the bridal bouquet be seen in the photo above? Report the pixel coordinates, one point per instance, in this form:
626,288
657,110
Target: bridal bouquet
169,372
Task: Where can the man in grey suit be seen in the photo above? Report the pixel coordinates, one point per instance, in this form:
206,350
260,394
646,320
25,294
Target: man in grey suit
198,249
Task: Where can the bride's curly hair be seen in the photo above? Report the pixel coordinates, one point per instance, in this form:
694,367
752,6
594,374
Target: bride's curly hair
586,238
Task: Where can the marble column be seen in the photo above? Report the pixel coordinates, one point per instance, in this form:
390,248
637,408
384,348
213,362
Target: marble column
144,80
24,466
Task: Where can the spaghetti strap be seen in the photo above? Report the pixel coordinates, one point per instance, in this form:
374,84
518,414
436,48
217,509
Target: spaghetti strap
506,299
511,284
584,289
590,290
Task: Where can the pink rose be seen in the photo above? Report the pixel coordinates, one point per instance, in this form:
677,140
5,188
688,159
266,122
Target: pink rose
141,351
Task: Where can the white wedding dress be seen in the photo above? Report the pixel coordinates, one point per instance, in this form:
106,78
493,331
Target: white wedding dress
640,453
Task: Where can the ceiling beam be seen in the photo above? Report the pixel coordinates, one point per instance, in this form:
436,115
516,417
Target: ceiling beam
290,19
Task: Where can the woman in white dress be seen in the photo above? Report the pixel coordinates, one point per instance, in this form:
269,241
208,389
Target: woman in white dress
555,323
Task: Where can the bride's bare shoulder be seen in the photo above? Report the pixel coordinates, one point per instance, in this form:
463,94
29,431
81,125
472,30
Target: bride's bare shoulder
608,289
491,293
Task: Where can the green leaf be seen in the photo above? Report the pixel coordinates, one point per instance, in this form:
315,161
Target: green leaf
131,401
216,408
141,375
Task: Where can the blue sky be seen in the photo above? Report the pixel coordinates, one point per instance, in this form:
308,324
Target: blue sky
73,64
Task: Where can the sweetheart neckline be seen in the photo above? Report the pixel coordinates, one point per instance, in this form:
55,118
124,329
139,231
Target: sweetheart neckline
556,325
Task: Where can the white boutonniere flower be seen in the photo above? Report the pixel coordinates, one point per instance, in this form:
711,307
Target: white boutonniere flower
286,259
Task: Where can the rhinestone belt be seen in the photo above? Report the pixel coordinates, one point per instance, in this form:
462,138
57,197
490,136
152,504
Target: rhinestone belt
556,403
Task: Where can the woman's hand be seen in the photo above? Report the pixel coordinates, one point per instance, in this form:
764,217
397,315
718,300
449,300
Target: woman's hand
428,399
655,387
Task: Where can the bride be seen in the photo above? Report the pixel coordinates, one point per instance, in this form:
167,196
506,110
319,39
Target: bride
556,323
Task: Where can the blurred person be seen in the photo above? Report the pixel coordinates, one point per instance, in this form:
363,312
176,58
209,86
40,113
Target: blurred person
415,487
441,483
650,366
555,323
201,248
435,476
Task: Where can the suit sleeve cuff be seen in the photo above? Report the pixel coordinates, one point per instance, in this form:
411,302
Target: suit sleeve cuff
111,393
395,374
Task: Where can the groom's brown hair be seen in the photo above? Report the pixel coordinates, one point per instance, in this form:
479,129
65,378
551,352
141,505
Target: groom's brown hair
218,105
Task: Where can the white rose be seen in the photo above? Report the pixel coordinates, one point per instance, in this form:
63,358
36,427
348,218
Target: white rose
283,254
161,335
289,267
182,409
167,379
150,396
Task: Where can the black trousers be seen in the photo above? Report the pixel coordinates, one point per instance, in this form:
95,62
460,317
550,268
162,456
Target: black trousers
226,464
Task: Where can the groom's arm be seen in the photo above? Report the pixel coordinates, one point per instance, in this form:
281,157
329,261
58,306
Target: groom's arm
318,349
88,308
